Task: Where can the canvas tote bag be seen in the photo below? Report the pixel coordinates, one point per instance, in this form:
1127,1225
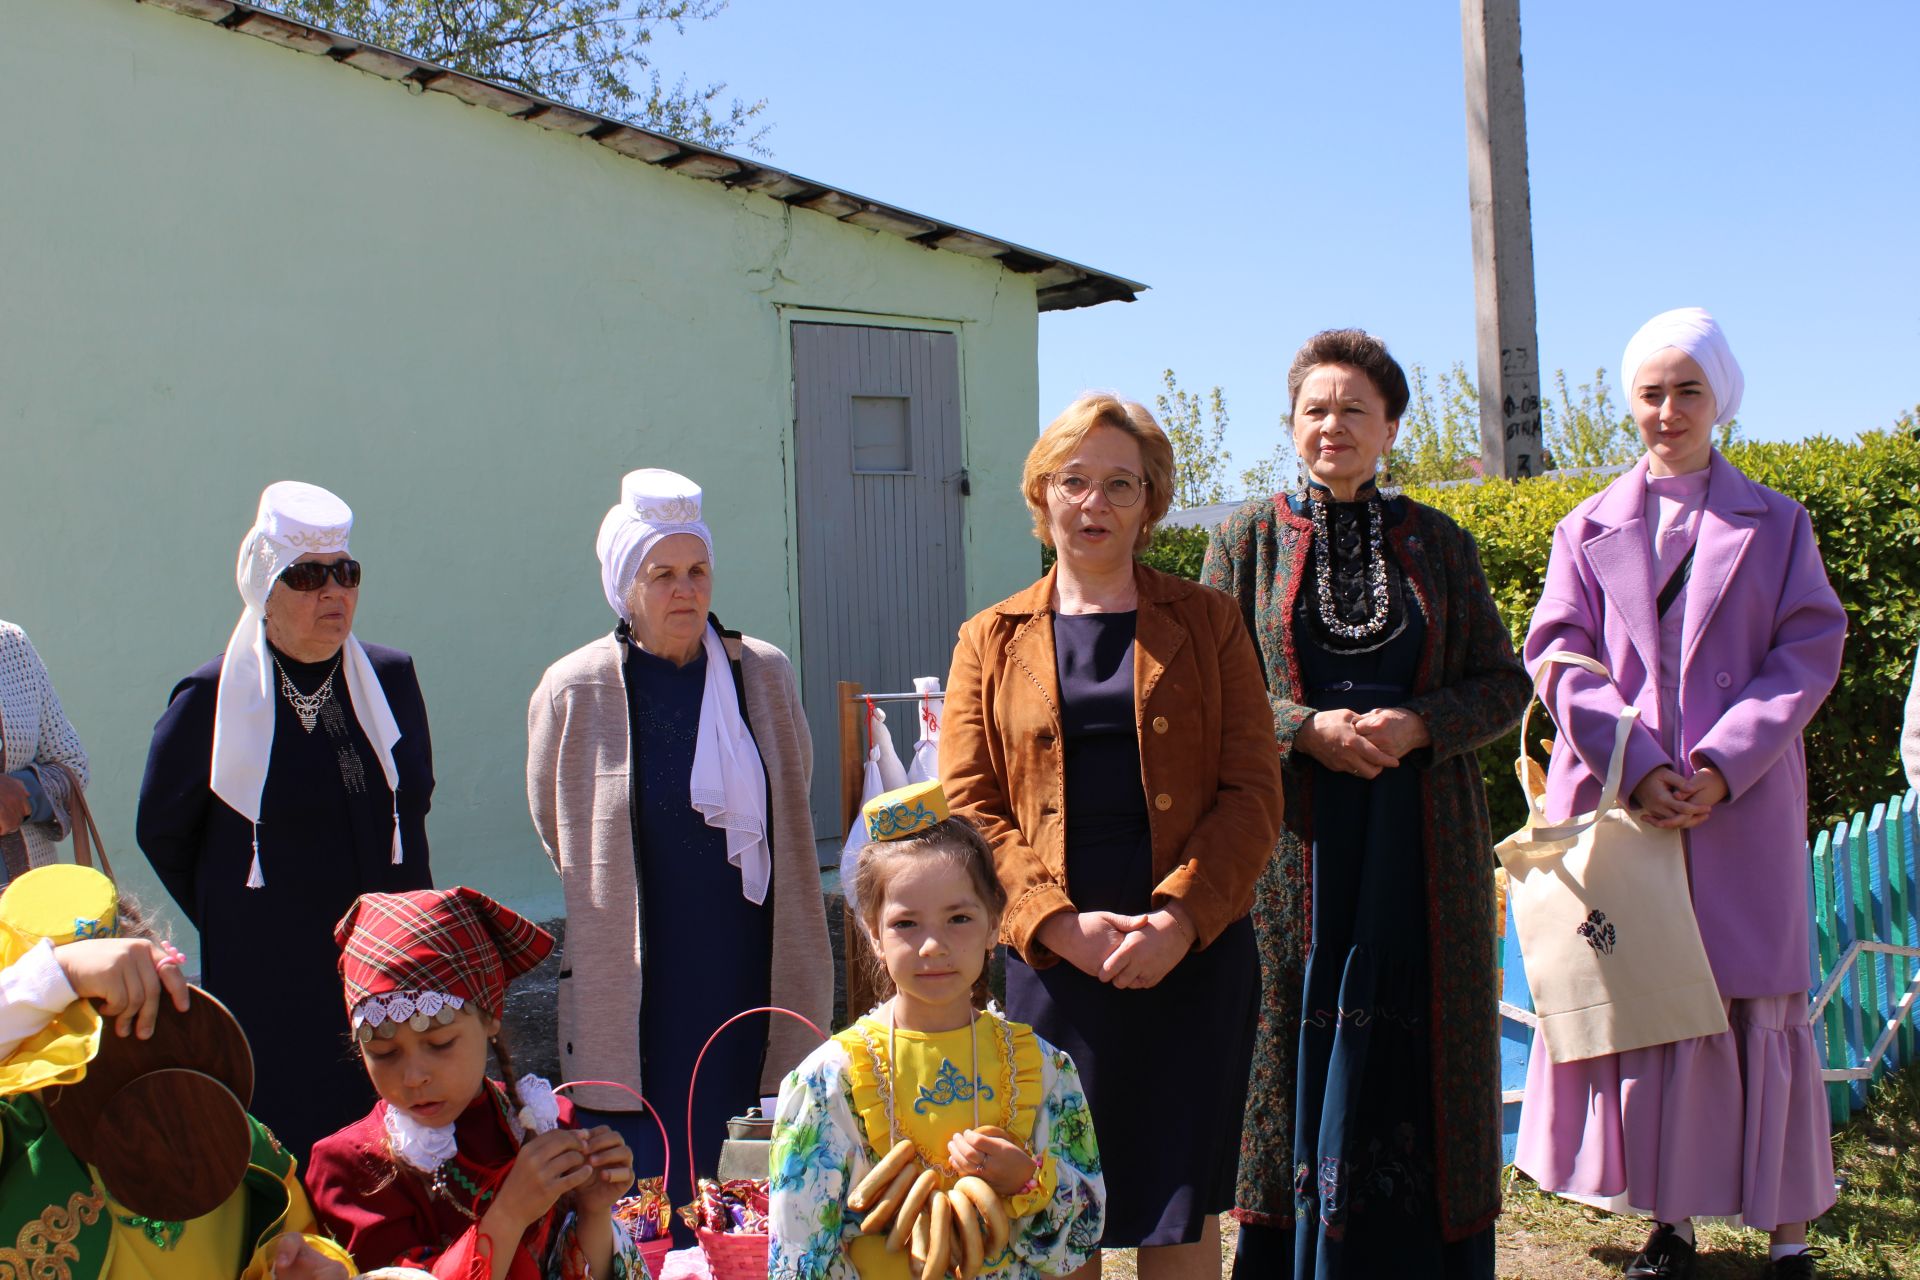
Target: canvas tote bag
1605,917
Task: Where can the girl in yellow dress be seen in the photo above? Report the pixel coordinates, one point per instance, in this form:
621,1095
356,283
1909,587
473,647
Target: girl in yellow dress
931,1137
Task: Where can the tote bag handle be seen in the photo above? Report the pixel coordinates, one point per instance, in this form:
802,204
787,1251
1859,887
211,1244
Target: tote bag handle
1616,763
83,825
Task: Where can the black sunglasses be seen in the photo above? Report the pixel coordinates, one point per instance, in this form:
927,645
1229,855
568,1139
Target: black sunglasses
311,575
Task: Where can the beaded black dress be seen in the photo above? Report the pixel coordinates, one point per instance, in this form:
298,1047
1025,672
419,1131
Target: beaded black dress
1364,1158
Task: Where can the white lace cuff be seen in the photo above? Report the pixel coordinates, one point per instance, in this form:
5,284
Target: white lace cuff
539,1109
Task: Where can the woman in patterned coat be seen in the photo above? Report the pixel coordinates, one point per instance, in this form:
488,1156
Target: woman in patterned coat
40,758
1372,1137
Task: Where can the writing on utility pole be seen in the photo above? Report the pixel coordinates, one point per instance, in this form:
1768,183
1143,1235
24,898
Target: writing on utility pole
1509,362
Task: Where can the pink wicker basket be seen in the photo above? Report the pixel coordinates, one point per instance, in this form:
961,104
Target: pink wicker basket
653,1253
732,1255
736,1255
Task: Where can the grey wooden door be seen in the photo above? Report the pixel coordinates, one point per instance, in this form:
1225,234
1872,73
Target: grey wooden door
879,473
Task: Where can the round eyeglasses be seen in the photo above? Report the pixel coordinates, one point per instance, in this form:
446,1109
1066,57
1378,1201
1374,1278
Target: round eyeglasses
1121,489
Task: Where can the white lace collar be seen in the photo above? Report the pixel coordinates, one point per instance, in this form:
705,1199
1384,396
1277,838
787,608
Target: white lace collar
419,1146
427,1147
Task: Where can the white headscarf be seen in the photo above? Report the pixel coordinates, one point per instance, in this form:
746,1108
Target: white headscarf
1693,331
729,782
293,520
654,504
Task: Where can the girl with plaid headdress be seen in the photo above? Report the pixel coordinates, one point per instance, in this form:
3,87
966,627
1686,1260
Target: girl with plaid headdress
453,1172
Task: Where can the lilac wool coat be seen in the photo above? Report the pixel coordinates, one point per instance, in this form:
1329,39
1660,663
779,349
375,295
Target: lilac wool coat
1760,650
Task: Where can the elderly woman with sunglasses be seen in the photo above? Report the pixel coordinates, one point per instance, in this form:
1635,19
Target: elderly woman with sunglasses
286,778
1107,730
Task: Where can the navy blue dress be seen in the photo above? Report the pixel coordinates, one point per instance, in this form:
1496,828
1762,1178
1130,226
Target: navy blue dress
1167,1117
326,836
1364,1158
708,951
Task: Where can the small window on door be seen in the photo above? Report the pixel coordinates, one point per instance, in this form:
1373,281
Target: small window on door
882,436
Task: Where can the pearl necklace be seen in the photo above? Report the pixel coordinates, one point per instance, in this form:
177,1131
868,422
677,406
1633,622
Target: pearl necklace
1376,621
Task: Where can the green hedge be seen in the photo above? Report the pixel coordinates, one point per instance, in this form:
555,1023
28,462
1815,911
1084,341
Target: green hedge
1864,500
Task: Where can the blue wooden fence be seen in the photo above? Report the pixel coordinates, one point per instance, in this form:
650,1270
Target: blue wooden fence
1864,966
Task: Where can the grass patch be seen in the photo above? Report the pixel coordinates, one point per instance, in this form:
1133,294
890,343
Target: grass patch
1872,1234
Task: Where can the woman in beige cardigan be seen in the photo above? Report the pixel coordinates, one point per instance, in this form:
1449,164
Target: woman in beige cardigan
668,766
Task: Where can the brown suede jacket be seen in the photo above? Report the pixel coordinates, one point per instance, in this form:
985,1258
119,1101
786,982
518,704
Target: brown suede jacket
1207,753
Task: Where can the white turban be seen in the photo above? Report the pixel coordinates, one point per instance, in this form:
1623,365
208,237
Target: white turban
729,781
1693,331
293,519
654,504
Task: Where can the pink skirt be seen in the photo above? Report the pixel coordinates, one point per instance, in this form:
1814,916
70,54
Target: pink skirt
1726,1126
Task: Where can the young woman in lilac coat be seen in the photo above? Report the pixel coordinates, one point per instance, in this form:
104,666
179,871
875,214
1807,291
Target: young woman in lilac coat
1703,594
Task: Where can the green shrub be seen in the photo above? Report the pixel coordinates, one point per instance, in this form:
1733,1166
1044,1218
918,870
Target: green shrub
1864,500
1178,551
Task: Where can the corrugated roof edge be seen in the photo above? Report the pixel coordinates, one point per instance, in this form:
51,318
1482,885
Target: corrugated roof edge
1061,285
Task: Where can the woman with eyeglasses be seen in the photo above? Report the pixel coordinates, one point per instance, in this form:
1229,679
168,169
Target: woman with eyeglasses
1107,730
286,778
1372,1140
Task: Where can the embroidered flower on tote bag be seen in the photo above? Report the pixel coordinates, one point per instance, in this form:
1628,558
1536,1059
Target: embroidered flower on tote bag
1598,933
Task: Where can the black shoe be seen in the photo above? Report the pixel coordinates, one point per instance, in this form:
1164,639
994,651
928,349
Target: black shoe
1796,1266
1665,1256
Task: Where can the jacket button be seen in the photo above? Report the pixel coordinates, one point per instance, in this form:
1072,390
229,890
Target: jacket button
1724,680
1159,724
1163,802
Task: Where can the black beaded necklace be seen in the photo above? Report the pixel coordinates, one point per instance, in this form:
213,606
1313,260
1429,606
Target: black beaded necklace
1379,604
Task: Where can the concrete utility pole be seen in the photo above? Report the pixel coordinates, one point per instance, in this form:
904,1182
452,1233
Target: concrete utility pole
1510,443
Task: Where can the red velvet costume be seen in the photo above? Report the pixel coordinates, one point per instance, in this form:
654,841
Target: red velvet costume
387,1214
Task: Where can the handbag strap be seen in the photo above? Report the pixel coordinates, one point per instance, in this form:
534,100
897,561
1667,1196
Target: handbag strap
85,830
1616,763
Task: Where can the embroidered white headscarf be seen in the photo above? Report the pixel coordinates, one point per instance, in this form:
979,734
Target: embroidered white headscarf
729,783
1693,331
293,519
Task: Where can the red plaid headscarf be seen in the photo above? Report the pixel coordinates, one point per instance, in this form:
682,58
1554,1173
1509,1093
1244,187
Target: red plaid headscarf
458,942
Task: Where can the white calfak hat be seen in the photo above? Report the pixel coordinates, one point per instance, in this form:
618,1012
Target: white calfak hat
293,520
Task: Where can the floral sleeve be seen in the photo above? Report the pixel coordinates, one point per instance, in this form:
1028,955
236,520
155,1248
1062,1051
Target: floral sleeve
1062,1234
567,1261
816,1144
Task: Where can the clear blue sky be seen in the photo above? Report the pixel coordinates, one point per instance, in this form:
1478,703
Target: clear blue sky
1272,169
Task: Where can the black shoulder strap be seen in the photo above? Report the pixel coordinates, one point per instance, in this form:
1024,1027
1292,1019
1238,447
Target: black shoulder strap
1671,592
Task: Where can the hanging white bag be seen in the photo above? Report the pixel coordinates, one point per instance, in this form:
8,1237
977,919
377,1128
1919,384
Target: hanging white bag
926,751
1605,917
893,774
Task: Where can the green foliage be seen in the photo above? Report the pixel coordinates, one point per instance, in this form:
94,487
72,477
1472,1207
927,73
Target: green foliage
1197,429
591,54
1178,551
1512,523
1863,497
1440,431
1590,431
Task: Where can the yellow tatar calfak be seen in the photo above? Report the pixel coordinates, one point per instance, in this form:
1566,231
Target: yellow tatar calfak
61,903
905,811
